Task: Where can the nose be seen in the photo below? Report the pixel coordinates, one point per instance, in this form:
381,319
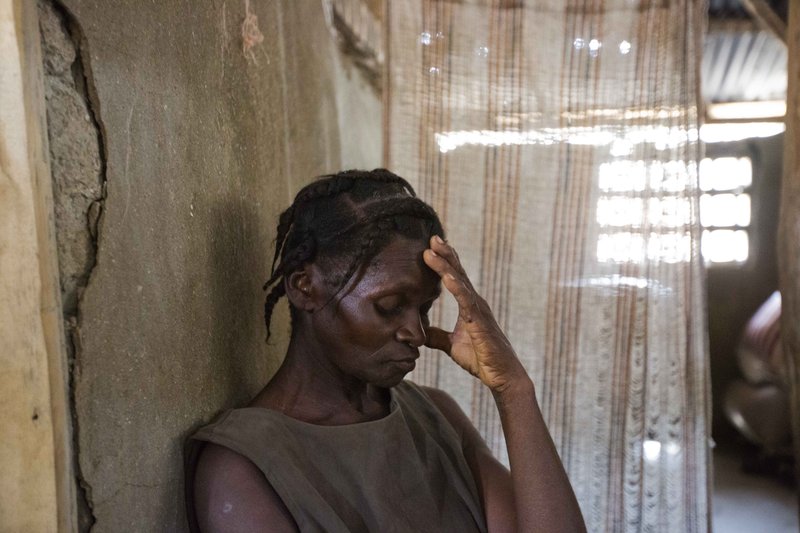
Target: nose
412,331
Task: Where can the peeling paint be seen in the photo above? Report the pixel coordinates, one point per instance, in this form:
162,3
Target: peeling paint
251,35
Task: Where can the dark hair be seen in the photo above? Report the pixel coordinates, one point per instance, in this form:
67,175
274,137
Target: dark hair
345,219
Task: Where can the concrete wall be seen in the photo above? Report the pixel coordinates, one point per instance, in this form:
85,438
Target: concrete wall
173,151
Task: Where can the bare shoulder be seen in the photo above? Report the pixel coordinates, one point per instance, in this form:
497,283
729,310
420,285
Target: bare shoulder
231,494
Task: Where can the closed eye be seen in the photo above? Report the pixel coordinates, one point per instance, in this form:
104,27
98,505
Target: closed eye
389,311
390,306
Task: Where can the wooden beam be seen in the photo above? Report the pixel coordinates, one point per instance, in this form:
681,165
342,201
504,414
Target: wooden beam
741,25
35,451
789,229
710,120
765,16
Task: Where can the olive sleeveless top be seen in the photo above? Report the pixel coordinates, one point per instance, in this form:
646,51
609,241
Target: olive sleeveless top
405,472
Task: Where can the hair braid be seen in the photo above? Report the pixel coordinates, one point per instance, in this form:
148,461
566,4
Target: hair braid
390,207
314,191
284,224
384,176
338,183
291,262
277,292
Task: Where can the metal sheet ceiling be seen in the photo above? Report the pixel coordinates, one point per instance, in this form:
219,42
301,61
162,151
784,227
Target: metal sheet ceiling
743,66
741,62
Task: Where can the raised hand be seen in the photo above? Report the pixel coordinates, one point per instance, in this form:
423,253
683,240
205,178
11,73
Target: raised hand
538,495
476,343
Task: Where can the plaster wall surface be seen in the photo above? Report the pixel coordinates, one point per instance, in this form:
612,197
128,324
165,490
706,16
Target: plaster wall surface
197,143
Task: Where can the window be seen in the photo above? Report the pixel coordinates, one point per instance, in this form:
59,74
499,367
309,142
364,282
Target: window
644,214
725,209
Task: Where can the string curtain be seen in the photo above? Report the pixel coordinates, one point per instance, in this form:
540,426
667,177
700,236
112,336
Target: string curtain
558,140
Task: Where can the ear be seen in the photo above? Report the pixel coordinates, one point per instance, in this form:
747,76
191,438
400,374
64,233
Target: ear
304,288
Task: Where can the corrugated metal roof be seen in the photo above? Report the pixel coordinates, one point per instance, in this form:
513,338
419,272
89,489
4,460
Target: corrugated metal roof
743,66
741,61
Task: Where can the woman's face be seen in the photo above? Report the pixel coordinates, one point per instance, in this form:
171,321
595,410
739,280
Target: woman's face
372,331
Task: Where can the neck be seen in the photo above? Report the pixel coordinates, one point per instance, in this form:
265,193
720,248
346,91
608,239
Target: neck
310,388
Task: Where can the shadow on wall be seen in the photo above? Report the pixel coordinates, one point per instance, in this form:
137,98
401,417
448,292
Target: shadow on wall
235,225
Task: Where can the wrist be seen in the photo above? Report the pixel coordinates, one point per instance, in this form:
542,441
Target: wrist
519,389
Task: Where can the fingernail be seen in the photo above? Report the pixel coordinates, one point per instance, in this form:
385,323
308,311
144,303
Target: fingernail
450,276
432,252
438,239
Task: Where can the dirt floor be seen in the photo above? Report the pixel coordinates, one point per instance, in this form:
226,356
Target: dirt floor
750,503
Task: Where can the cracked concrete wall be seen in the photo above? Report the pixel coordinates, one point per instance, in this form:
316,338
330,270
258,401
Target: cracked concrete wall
173,151
75,153
78,177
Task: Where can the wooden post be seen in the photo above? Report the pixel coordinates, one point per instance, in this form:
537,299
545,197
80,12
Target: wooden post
789,228
36,479
766,17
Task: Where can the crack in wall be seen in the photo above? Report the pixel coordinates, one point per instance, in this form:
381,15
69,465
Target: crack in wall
78,163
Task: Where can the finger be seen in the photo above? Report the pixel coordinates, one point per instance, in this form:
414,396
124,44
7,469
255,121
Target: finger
442,248
439,264
457,284
443,266
438,339
466,298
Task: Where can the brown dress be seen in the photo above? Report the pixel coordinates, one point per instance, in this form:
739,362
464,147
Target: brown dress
405,472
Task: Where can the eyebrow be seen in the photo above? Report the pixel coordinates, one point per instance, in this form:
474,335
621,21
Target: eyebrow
408,287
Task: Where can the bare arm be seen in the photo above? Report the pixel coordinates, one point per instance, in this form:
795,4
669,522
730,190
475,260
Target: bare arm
540,497
232,495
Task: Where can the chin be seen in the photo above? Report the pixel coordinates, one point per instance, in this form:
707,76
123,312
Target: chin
390,381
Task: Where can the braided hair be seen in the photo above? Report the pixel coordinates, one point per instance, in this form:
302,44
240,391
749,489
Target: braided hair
346,219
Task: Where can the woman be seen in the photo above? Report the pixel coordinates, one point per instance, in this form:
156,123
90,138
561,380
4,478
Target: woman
337,441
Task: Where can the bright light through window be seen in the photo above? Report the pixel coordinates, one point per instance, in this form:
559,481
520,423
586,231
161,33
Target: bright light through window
667,212
725,245
725,173
629,247
644,215
725,209
636,176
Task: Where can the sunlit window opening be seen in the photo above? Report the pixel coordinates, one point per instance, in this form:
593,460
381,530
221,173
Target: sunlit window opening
724,246
635,228
725,209
630,247
643,212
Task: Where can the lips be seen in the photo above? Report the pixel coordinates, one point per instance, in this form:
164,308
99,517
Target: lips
406,359
407,365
